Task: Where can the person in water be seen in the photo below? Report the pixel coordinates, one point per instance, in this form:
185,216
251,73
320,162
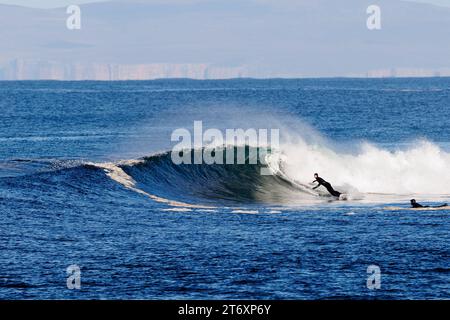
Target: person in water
327,185
416,205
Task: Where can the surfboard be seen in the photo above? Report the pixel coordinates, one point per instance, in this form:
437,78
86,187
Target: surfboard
278,171
416,209
343,197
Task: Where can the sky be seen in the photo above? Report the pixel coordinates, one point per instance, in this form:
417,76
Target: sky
256,38
61,3
46,3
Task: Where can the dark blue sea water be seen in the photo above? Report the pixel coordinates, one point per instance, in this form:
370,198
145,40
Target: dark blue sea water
148,229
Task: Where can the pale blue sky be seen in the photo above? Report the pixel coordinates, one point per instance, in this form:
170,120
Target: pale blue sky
46,3
266,38
60,3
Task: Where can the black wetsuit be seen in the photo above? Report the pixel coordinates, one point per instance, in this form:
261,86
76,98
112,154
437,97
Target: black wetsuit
328,186
416,205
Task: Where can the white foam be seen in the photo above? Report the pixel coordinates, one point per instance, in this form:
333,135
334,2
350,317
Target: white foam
177,209
245,211
423,168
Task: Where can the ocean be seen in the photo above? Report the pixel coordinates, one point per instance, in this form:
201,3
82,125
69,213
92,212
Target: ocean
87,182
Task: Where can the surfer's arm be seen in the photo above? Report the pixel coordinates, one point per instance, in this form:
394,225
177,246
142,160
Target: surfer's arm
316,186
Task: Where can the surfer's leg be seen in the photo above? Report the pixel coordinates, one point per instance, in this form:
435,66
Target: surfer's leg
332,191
336,193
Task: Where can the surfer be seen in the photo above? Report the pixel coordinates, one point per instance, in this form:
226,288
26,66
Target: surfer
416,205
327,185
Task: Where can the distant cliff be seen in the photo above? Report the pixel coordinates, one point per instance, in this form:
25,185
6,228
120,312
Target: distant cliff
43,70
20,69
404,72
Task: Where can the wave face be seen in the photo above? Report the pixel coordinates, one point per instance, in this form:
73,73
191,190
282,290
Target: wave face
237,183
369,173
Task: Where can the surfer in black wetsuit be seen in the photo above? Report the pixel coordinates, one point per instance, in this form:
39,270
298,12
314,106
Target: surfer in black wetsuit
416,205
326,184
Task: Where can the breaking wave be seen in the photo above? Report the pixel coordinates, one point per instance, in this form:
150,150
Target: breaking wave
370,173
423,169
